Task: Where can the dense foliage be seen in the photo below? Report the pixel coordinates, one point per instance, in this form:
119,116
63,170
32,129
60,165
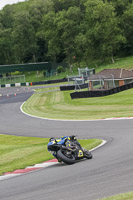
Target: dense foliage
66,30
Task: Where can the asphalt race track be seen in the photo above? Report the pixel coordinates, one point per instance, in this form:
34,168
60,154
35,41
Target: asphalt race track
110,171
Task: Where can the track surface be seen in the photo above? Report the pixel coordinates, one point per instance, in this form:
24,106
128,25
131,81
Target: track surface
109,172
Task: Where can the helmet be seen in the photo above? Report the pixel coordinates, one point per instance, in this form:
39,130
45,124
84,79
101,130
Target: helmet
52,139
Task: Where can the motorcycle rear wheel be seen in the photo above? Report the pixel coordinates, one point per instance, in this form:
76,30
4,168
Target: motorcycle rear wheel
62,156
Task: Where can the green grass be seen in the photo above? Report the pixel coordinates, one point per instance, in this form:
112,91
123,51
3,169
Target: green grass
58,105
126,196
18,152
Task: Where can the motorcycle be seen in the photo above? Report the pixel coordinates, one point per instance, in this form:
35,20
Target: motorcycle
67,149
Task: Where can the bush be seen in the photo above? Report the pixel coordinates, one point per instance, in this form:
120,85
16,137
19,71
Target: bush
60,69
16,73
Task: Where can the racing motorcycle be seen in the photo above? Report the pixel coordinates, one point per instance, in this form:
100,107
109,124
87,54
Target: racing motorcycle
67,149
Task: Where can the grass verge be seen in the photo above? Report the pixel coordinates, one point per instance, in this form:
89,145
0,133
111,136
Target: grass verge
18,152
126,196
58,105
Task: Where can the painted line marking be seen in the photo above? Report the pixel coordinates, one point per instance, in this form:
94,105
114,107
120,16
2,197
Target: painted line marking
100,145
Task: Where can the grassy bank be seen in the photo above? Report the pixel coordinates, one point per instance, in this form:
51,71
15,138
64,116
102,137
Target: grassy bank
58,105
18,152
34,76
126,63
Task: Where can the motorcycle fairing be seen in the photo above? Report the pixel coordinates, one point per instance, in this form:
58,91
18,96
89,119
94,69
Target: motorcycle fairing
80,154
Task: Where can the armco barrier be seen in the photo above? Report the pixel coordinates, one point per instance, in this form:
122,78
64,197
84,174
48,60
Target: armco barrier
50,81
100,93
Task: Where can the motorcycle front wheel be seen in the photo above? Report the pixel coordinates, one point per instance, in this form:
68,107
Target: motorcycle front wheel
88,155
68,159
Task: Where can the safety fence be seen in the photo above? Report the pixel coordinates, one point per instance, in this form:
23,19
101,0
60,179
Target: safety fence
100,93
12,79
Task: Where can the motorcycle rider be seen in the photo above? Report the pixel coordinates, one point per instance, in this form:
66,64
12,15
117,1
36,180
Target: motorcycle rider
69,141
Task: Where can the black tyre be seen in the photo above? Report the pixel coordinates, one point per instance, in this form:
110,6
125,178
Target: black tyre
65,158
88,155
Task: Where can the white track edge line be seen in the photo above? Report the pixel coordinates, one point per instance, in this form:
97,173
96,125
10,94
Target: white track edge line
4,177
105,119
100,145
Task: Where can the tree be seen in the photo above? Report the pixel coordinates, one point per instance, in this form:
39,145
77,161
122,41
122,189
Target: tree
37,9
120,6
68,27
60,30
103,34
6,24
127,24
7,16
60,5
6,56
49,32
25,47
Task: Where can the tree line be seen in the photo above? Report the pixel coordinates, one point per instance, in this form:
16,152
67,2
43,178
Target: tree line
66,30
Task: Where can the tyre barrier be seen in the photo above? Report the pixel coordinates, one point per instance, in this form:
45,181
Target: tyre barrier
72,87
98,93
68,87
